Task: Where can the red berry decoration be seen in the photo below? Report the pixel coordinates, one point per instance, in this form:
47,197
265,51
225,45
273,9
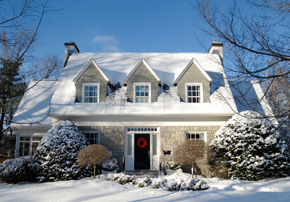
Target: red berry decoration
142,142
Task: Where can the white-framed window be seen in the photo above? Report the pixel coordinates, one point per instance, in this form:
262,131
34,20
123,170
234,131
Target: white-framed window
35,142
196,135
24,146
194,92
91,92
142,92
93,137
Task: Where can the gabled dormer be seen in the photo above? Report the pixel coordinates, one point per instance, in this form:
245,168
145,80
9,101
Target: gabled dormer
193,83
91,83
142,83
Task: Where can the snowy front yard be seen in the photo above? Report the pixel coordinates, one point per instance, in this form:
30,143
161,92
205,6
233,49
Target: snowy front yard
88,189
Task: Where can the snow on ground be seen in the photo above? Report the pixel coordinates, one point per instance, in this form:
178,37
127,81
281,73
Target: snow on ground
88,189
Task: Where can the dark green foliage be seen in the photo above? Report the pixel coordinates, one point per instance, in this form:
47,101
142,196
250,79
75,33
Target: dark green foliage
16,170
12,89
251,147
114,87
56,155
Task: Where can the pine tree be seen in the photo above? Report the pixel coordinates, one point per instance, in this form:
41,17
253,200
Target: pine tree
252,147
12,89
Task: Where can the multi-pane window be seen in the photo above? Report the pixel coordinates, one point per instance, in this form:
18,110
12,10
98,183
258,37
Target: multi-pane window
24,145
93,137
90,93
142,93
195,135
193,93
35,142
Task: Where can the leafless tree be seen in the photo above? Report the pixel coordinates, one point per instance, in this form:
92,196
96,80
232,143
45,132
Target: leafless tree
189,152
256,37
48,67
93,155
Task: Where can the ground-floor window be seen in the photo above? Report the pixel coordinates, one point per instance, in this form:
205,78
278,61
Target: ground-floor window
24,146
35,142
93,137
193,135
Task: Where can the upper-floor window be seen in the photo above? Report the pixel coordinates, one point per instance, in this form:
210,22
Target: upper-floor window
142,93
91,92
194,92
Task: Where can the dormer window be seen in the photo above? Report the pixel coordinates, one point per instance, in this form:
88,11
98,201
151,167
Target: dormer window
142,93
194,92
91,92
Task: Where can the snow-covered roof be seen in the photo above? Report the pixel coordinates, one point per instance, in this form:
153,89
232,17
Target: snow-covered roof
167,66
248,95
34,107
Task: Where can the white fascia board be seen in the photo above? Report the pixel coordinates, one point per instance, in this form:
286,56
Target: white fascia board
193,60
142,61
264,103
82,71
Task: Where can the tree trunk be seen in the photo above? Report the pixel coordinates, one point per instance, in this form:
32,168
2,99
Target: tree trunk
3,110
99,171
94,171
192,169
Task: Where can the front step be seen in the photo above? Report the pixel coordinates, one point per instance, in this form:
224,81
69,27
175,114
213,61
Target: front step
142,173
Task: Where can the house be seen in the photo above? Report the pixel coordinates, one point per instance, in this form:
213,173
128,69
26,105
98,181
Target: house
164,99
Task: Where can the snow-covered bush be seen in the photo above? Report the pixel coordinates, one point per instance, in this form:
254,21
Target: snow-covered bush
121,178
16,170
56,155
111,164
181,185
252,147
142,182
170,184
170,164
157,183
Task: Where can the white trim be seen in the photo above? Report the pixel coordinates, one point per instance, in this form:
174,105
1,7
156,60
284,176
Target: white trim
192,61
83,91
154,159
149,124
198,131
142,61
194,84
142,84
82,71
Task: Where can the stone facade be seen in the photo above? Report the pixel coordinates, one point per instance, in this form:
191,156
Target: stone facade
111,137
172,136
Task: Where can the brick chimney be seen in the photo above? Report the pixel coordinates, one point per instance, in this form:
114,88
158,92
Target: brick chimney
217,48
70,48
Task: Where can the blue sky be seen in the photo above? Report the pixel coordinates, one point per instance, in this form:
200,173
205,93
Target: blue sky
121,26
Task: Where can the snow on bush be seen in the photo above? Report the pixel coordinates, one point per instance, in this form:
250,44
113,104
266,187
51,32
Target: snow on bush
56,155
172,165
121,178
170,183
110,165
252,147
142,182
16,170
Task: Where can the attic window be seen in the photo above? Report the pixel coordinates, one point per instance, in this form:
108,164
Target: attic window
142,93
91,92
194,92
